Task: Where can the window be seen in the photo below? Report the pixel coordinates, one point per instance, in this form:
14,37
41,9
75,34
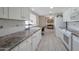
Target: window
31,22
33,18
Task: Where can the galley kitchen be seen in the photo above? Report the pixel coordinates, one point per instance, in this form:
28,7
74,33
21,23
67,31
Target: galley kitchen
39,29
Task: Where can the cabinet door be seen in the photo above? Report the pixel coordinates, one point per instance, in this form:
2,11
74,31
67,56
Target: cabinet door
66,15
25,13
36,39
1,12
25,45
28,45
6,12
15,13
71,14
75,43
33,42
22,46
74,14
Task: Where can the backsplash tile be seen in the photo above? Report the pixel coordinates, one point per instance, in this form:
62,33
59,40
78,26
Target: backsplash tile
11,26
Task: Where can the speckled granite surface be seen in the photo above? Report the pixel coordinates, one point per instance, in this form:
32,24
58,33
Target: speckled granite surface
76,34
10,41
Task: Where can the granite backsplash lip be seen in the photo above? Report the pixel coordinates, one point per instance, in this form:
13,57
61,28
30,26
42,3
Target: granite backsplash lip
10,41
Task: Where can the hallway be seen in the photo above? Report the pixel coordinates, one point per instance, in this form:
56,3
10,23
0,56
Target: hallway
49,42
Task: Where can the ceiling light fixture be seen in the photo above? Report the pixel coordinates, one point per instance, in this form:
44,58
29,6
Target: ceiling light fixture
50,12
50,17
51,7
32,9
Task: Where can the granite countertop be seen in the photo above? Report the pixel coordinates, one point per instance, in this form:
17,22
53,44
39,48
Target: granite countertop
8,42
76,33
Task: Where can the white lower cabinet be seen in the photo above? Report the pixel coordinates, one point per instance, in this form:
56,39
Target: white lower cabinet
59,33
29,44
36,39
75,43
25,45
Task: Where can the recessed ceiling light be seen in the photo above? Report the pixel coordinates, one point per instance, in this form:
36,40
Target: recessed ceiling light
32,9
51,7
50,17
50,11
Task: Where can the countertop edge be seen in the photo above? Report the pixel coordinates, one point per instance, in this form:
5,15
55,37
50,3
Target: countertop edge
22,40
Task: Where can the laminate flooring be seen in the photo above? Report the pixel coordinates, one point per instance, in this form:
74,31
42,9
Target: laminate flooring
50,42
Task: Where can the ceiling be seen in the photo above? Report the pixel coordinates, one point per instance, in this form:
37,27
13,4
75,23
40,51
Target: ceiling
47,11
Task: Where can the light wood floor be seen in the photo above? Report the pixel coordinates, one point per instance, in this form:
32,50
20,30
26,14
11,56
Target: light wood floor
49,42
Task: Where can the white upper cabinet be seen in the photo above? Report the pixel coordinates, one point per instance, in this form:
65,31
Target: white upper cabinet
1,12
72,14
15,13
75,14
5,12
66,16
25,13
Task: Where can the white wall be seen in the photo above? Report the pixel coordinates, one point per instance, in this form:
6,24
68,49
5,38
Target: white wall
10,26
